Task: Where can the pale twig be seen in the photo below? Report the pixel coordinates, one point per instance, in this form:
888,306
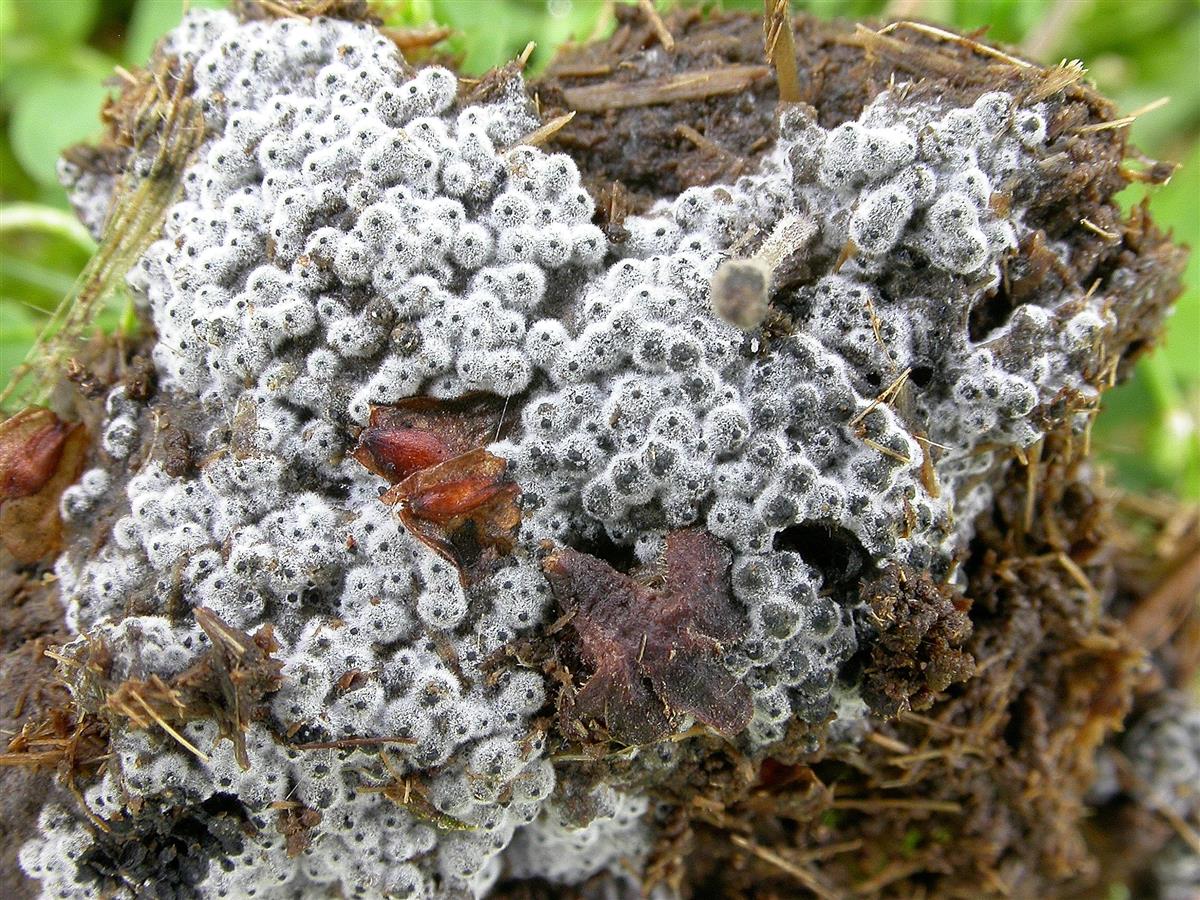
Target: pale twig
866,804
656,22
1080,578
58,657
886,451
1123,122
942,34
888,743
1126,120
1096,229
696,85
1150,107
885,396
545,132
930,443
1032,470
162,723
781,49
802,875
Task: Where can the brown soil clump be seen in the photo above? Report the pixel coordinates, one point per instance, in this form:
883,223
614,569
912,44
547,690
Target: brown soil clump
916,654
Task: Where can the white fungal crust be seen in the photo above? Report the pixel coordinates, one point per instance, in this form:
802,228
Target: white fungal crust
557,851
352,235
1164,750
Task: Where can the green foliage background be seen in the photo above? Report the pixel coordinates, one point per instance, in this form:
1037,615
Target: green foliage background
57,56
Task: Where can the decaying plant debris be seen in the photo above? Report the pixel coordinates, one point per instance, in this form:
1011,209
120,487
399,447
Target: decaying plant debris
226,686
652,653
993,700
151,132
40,455
449,491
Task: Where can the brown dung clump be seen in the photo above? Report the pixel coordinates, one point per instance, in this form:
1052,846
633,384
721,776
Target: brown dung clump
1076,611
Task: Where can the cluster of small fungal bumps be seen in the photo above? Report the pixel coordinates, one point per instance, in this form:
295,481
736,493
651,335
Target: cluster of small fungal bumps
436,412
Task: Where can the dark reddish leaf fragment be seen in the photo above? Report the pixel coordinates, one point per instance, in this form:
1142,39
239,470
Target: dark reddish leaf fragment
690,679
31,446
464,509
653,654
419,432
452,494
40,456
604,601
443,503
396,453
620,697
698,584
